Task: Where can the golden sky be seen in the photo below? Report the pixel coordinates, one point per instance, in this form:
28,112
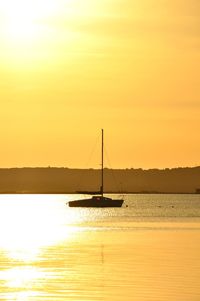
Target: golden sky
69,68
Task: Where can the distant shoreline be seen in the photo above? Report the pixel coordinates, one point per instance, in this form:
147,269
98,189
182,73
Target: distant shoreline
60,180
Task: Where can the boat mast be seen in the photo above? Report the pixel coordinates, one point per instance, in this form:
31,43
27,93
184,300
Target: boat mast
102,145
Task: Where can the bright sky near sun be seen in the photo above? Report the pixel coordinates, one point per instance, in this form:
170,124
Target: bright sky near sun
71,67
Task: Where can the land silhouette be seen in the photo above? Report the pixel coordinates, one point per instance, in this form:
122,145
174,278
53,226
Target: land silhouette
67,180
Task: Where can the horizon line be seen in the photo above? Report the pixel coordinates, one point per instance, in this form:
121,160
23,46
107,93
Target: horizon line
91,168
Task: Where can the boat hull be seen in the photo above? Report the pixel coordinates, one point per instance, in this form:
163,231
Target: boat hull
96,202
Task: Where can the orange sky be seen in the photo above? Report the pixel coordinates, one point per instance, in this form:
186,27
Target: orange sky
69,68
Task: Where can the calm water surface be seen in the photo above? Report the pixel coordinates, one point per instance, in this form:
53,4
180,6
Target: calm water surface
146,251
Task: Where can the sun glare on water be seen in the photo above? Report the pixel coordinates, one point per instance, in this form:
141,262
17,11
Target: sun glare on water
29,226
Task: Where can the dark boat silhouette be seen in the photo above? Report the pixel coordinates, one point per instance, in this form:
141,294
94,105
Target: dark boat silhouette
99,200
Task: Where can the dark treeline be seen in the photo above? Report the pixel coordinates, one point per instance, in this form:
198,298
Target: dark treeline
66,180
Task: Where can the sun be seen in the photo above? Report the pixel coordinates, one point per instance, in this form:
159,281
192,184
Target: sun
24,20
40,34
27,30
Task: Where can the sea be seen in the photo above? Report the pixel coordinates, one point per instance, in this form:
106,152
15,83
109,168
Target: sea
148,250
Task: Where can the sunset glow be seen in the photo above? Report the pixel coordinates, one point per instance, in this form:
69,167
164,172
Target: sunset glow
70,68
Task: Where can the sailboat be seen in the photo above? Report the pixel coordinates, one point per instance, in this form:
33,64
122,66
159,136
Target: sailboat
98,200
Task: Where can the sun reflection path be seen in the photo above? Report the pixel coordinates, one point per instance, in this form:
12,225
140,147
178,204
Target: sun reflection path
29,223
29,226
21,283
